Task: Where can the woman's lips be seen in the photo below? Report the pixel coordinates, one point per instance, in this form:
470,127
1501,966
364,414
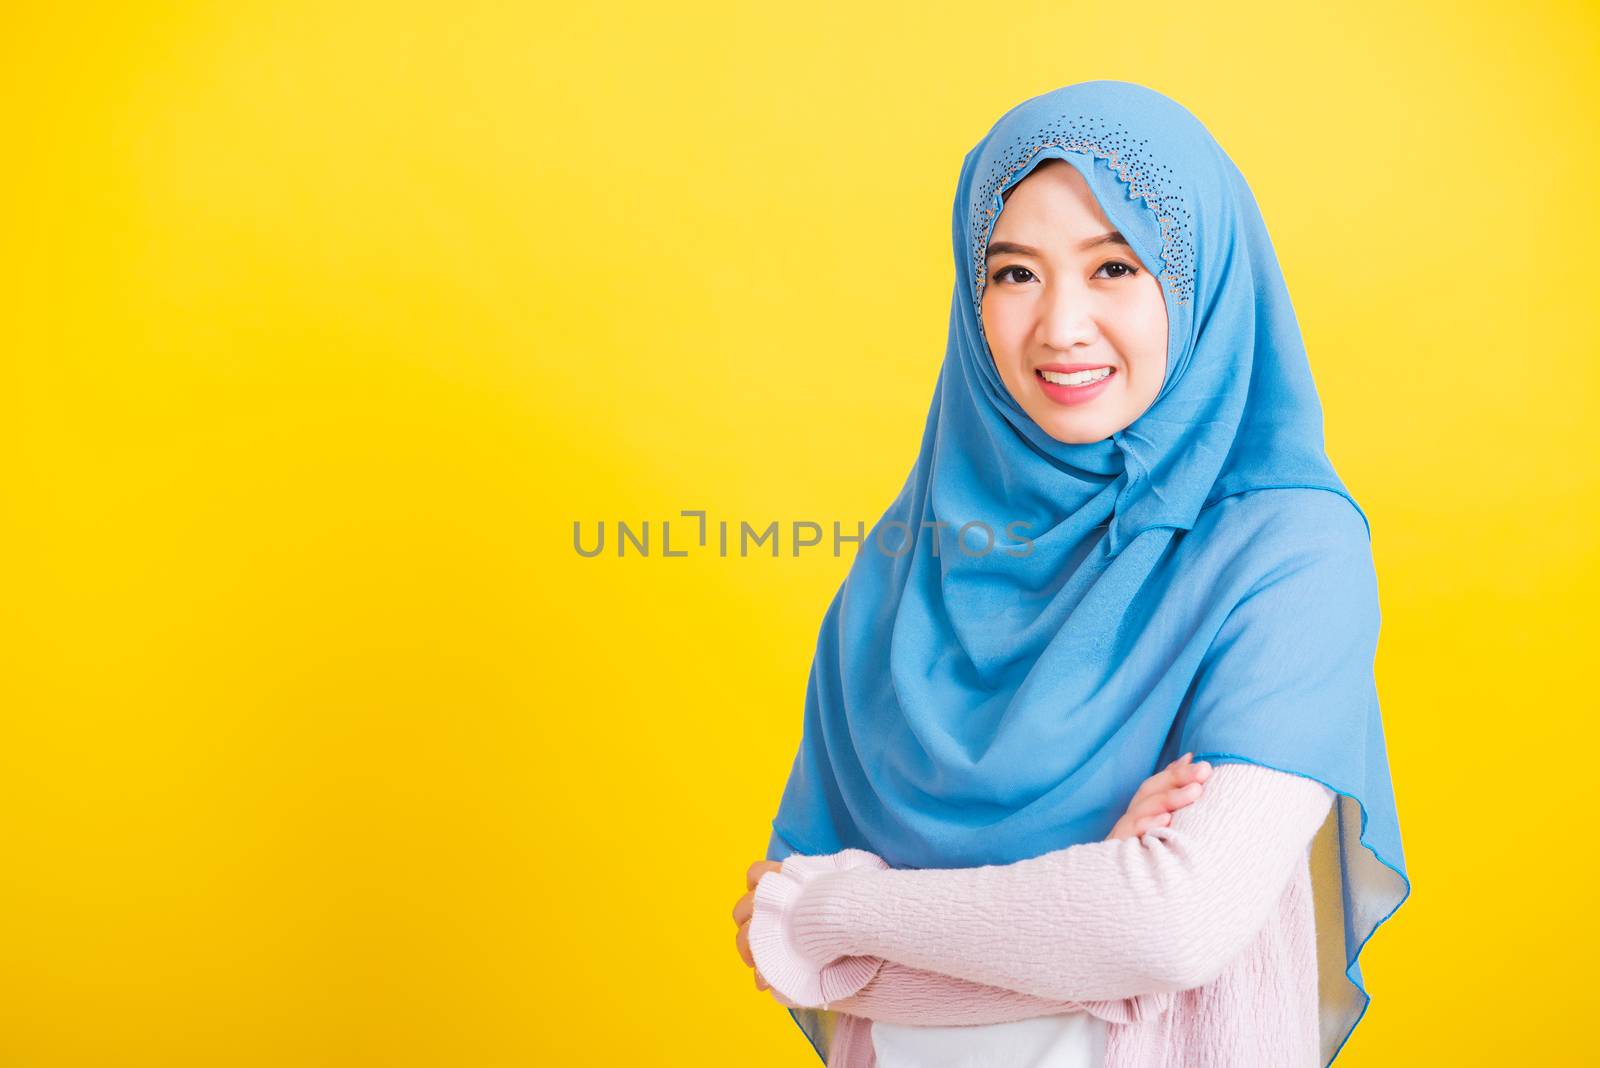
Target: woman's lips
1073,394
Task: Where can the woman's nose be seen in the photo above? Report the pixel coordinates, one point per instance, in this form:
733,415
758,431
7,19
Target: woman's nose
1067,318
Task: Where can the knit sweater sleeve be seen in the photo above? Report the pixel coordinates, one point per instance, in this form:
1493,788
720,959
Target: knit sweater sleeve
1098,922
899,994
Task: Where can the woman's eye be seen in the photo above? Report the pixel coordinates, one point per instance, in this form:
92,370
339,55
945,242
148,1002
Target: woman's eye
999,276
1016,273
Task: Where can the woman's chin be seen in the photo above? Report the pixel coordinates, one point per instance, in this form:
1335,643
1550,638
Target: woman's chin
1075,431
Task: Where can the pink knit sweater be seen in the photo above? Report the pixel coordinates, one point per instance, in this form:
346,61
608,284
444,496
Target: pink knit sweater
1196,942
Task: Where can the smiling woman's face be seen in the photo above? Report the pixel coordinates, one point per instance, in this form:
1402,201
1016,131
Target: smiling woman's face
1059,299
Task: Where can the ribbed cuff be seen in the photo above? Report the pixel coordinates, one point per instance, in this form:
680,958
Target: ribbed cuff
781,956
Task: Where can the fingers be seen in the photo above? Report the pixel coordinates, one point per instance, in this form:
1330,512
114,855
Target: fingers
1179,796
742,941
744,908
754,873
1178,773
1174,774
1165,800
1174,786
1168,799
1185,770
1148,822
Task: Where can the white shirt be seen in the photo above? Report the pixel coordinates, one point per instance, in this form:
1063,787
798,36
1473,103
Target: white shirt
1070,1040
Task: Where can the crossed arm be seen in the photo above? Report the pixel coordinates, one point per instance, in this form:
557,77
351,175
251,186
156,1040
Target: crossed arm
1113,927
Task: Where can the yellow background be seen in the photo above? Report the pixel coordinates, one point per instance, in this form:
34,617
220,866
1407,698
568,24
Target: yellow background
325,321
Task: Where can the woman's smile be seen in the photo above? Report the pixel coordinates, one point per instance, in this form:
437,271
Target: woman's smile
1074,383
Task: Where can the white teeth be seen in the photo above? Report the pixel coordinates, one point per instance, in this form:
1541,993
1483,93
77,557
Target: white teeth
1076,378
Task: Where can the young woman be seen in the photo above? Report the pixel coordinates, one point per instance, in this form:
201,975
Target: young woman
1122,540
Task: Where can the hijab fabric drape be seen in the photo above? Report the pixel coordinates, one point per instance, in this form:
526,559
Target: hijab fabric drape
1032,627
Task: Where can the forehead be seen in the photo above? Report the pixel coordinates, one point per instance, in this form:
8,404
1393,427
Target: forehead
1055,189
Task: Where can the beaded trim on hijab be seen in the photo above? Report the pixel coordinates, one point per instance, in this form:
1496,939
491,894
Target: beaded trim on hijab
1128,159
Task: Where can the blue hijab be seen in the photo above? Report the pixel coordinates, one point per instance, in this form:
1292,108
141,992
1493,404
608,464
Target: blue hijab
1200,580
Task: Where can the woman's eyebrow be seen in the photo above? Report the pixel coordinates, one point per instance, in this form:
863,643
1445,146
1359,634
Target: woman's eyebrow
1002,248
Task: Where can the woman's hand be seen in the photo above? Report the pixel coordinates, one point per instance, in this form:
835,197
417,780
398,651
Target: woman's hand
1162,794
743,910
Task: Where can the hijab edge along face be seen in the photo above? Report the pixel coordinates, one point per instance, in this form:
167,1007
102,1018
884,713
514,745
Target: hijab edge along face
1122,321
1140,195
